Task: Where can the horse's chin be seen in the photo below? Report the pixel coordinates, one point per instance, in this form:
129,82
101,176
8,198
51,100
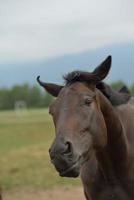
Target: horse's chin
71,169
72,172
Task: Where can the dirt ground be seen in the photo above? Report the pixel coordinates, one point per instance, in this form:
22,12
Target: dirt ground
55,194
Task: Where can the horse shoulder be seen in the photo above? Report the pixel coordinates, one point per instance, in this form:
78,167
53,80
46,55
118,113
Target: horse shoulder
126,114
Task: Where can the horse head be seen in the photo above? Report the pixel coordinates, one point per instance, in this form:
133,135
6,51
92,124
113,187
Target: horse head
79,124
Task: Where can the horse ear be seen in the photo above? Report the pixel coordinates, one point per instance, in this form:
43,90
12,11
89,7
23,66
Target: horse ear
51,88
102,70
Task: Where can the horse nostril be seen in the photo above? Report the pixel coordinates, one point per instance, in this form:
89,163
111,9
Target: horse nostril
60,148
68,148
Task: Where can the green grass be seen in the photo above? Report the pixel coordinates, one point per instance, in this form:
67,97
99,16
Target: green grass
24,159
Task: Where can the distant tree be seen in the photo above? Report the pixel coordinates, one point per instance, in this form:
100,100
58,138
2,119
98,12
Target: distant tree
35,97
117,85
47,100
20,92
132,89
6,101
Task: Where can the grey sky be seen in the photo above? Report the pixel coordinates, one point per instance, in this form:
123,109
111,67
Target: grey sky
37,29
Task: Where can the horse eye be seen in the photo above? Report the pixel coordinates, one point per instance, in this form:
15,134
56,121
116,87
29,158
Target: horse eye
88,101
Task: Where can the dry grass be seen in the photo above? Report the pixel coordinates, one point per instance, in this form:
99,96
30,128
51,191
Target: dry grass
57,193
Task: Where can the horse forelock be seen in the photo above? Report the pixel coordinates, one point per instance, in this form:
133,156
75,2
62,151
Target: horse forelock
78,76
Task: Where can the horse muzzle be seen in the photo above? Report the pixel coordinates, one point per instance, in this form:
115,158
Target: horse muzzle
64,159
67,167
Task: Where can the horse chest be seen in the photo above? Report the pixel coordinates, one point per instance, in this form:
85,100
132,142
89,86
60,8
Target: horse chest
108,191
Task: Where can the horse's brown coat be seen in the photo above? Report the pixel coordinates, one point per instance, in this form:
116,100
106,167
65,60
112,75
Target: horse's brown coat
97,133
112,174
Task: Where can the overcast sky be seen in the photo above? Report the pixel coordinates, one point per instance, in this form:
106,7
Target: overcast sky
40,29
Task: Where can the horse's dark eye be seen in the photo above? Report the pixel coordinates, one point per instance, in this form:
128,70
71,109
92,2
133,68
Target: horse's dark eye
88,101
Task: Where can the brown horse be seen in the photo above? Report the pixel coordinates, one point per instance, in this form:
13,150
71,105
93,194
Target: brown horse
94,139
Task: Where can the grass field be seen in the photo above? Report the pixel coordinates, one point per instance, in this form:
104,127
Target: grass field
24,143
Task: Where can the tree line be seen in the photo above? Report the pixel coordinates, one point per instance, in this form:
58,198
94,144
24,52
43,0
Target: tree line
34,96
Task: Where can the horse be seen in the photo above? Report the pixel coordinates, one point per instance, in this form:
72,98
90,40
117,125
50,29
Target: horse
93,138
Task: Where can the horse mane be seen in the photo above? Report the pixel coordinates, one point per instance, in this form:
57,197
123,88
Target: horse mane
80,76
115,97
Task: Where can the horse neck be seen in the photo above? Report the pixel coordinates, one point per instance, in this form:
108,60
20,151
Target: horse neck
114,156
108,164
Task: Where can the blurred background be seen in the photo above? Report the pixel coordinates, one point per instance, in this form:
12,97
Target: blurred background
51,38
